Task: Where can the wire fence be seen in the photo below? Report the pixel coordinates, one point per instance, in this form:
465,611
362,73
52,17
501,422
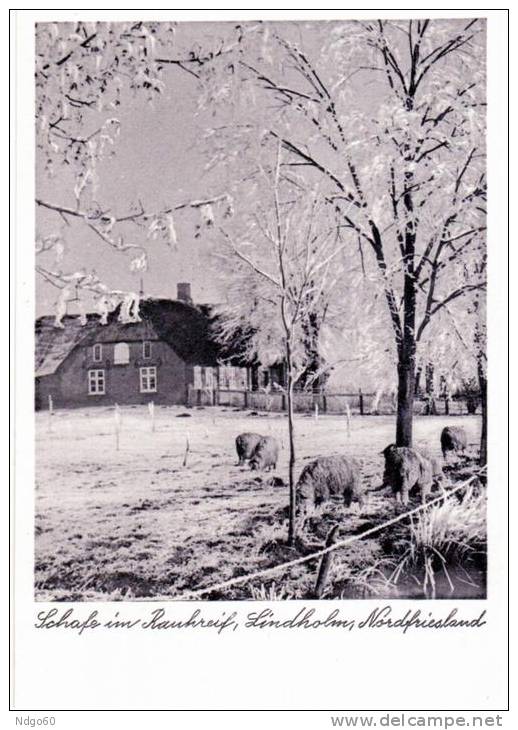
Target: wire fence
325,550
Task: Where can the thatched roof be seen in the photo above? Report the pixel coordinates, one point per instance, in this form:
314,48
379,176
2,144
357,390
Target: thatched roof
184,327
54,344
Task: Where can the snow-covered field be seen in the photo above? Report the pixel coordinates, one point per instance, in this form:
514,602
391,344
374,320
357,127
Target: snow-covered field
135,522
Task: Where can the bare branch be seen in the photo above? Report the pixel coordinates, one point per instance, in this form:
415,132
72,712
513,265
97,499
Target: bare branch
255,267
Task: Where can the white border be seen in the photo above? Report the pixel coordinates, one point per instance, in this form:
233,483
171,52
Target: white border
247,671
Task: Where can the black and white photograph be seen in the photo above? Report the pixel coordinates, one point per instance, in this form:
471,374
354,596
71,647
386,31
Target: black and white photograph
261,310
260,368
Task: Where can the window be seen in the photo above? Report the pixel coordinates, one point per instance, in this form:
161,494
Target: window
146,350
232,378
96,382
226,377
241,376
98,353
197,377
121,353
148,380
209,378
266,378
204,378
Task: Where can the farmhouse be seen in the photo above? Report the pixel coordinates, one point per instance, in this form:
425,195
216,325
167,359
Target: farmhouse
161,358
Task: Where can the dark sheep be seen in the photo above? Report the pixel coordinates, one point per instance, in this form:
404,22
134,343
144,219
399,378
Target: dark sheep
453,438
265,455
406,468
246,444
331,476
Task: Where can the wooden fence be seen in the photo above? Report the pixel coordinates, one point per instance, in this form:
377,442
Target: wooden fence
328,402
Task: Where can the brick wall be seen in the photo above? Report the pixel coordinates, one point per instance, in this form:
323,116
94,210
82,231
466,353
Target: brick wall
68,386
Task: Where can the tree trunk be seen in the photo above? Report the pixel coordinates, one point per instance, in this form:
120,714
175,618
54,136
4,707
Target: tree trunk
407,345
291,467
406,351
483,402
480,346
431,406
405,397
407,348
418,374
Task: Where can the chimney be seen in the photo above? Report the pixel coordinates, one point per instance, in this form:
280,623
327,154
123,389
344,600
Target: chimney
184,293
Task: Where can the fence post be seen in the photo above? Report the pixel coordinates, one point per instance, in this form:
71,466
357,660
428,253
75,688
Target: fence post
117,419
51,412
325,563
246,397
187,449
446,406
348,417
324,403
360,395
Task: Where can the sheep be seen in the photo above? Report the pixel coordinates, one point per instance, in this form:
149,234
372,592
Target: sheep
265,455
246,444
406,468
330,476
435,461
453,438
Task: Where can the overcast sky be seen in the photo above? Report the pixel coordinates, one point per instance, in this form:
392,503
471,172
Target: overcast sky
158,162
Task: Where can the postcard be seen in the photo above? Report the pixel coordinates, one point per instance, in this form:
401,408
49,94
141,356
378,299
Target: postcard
260,369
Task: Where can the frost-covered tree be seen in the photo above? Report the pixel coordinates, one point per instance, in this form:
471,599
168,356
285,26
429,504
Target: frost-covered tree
389,117
281,262
85,73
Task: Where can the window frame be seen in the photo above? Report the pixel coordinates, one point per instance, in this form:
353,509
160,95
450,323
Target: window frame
144,379
95,376
100,351
149,355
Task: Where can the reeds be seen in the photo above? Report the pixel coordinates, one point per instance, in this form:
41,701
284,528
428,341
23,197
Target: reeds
444,537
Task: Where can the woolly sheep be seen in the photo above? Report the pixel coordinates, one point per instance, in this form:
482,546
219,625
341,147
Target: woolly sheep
331,476
266,454
246,444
